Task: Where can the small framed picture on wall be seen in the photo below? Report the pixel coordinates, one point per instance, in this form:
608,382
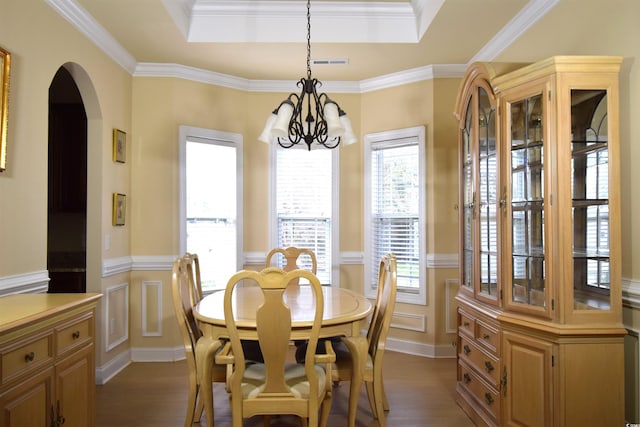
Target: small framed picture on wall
119,146
119,208
5,67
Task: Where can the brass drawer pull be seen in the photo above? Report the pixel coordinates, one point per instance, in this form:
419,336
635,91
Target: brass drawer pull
488,398
467,378
466,349
29,357
76,335
486,336
488,366
465,324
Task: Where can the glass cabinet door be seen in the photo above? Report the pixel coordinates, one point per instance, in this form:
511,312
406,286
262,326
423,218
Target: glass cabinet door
468,201
590,199
487,197
528,285
479,200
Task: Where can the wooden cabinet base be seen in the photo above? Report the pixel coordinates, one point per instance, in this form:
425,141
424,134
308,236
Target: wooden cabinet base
47,375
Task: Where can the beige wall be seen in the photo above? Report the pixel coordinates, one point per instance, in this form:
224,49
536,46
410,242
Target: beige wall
40,42
150,110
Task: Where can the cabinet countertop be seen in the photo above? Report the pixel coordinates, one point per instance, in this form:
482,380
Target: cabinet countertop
20,309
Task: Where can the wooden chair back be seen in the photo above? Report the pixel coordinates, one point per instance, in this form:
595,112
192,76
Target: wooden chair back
193,268
275,392
383,308
291,257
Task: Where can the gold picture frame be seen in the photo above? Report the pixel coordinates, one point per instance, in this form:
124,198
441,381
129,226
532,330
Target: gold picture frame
119,209
119,146
5,68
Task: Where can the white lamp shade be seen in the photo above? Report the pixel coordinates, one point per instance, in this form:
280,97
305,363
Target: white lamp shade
266,136
349,137
334,125
280,128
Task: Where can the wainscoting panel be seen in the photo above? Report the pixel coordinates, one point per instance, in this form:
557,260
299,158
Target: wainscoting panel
152,309
408,321
117,320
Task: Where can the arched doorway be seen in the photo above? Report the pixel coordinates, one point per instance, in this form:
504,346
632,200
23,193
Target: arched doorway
67,188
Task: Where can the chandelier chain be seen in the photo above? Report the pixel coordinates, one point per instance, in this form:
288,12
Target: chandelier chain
309,39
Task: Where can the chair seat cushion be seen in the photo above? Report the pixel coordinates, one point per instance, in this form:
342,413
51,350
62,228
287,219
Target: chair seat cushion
294,375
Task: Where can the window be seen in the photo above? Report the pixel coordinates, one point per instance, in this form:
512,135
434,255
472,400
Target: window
304,195
211,202
395,209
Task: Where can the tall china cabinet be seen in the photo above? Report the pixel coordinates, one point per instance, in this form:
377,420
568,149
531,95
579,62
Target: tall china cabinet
540,334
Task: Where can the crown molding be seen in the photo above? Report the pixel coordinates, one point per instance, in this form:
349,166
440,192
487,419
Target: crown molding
529,15
87,25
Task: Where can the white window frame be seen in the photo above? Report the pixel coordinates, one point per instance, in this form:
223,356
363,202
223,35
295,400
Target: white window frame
335,206
394,138
220,138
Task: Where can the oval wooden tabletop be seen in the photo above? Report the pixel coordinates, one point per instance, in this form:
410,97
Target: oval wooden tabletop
340,306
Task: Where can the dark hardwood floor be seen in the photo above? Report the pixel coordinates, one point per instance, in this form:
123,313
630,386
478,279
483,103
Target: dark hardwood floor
420,392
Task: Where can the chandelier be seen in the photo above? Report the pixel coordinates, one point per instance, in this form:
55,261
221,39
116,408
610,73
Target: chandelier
309,117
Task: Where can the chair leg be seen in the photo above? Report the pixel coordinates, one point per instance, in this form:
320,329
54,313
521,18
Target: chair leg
191,402
325,409
385,402
371,398
378,395
205,352
199,410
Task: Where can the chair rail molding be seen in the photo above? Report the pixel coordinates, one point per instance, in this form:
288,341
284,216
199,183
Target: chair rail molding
34,282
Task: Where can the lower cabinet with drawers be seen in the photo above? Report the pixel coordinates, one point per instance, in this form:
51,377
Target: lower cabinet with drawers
47,367
515,372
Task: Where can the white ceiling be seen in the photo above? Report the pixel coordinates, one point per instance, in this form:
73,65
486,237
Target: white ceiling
248,42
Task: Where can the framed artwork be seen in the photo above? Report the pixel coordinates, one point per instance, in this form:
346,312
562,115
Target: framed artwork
119,208
5,66
119,146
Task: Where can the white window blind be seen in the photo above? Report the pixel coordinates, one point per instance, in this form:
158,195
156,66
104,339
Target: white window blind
394,209
303,189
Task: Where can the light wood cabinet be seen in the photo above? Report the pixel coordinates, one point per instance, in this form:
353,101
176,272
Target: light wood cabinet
540,297
47,367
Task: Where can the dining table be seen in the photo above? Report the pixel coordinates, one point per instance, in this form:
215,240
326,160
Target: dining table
344,312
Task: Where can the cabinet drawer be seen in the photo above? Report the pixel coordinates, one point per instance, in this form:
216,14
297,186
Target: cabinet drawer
488,336
482,392
466,323
71,335
487,365
26,355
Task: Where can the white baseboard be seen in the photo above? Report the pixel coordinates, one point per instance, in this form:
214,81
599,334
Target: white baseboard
421,349
109,370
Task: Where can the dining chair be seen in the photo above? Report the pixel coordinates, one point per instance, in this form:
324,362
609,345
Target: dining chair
375,341
196,346
278,386
291,256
